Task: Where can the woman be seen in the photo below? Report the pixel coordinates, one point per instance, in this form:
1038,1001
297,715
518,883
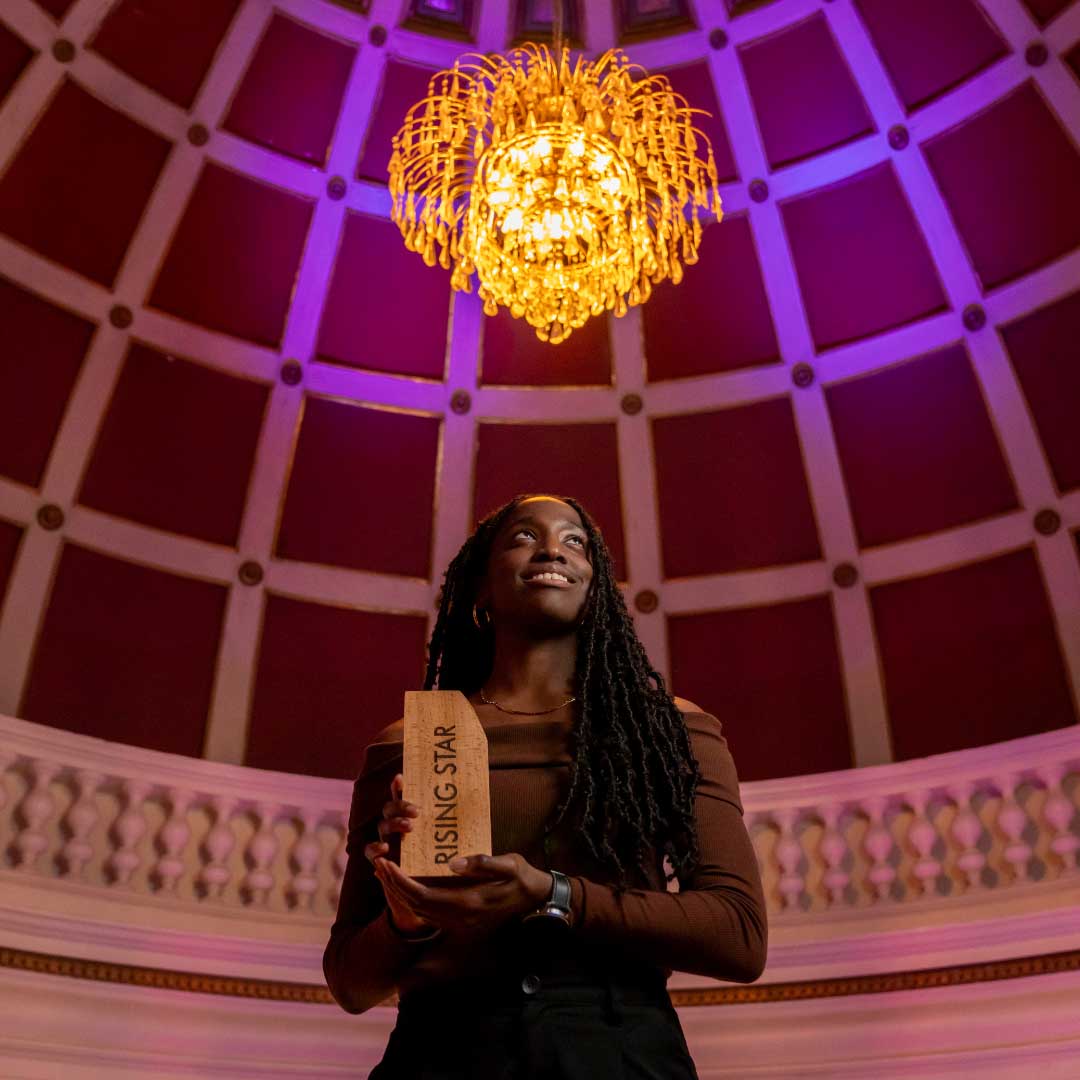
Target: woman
597,777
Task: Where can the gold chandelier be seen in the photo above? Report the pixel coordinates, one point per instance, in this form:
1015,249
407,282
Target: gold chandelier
567,190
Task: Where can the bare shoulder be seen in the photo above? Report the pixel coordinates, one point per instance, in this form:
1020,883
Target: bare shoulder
687,706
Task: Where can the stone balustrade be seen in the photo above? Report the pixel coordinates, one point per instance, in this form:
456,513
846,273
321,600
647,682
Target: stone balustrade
125,820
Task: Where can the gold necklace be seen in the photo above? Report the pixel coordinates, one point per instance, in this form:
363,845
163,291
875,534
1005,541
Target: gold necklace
521,712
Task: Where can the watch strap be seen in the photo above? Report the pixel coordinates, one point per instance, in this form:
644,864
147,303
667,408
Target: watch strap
557,905
560,891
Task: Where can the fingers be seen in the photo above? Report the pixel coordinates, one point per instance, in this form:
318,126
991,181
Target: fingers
486,866
376,850
398,807
392,876
396,811
393,825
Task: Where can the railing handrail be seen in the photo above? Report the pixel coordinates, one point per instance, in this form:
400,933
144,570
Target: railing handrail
1021,756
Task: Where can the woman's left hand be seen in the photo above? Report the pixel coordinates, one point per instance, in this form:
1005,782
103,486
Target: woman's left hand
498,888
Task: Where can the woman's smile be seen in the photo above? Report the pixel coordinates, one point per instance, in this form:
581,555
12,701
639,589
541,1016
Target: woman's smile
554,578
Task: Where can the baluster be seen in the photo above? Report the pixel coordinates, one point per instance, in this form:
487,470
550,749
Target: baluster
341,858
130,827
1058,810
922,836
1012,820
174,837
789,853
81,818
7,759
219,844
305,857
834,848
967,828
36,809
261,851
878,843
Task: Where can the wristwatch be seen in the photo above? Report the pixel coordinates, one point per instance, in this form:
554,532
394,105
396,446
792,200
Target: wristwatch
557,905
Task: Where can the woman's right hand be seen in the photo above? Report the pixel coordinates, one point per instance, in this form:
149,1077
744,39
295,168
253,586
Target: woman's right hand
397,815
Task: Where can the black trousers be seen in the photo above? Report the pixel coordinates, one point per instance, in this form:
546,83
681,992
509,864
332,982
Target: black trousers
546,1027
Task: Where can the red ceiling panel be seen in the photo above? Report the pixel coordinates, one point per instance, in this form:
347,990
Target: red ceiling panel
66,198
732,490
15,54
970,657
578,460
878,273
772,676
10,536
403,85
917,449
126,653
362,488
40,359
195,431
1045,10
1010,176
328,680
385,310
514,356
1045,351
235,256
718,317
930,46
303,73
56,8
803,93
694,82
167,45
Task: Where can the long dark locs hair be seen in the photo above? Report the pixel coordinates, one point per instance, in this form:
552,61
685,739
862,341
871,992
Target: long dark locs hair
633,774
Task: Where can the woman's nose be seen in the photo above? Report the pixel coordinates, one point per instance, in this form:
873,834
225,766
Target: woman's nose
549,550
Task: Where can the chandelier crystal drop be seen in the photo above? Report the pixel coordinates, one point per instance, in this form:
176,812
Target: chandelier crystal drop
567,189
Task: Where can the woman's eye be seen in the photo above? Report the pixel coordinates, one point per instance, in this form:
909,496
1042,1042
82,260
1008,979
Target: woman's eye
579,539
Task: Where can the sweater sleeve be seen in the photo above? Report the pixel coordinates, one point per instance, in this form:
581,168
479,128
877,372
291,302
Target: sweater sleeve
716,925
365,957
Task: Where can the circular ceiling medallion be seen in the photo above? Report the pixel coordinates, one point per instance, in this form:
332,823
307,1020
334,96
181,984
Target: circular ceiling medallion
974,317
50,517
1047,521
845,575
250,573
646,601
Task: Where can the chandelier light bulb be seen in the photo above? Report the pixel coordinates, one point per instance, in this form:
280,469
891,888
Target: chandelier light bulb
568,190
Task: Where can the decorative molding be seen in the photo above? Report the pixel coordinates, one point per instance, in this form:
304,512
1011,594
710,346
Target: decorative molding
274,990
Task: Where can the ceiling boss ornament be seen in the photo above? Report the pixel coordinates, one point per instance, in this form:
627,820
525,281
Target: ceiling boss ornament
567,189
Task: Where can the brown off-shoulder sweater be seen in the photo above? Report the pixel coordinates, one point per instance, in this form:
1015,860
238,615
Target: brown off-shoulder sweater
714,925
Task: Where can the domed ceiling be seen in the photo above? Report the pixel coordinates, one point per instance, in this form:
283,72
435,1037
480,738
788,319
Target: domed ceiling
243,430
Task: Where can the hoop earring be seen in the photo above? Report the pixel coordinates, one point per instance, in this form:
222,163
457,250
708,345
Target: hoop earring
487,619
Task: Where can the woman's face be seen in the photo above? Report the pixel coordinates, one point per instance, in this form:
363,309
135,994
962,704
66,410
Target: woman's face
539,569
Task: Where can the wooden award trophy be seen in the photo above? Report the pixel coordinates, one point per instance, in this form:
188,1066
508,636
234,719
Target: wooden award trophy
445,775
